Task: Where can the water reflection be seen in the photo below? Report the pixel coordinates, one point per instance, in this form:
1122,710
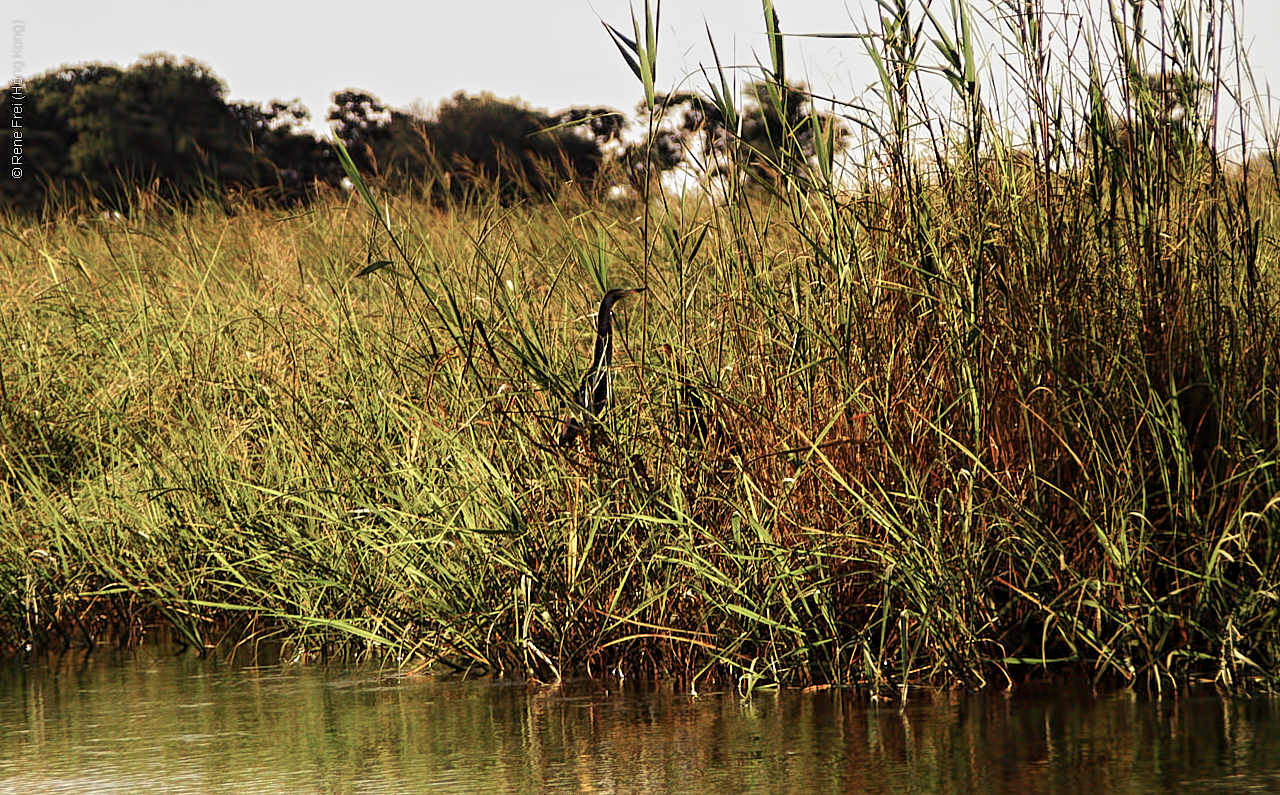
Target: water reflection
150,722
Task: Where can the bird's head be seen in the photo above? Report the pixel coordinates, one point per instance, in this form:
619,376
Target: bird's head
617,294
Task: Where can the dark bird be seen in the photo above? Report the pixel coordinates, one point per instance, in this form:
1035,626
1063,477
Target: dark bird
596,390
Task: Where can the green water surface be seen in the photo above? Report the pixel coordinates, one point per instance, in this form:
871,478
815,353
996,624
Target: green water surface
150,721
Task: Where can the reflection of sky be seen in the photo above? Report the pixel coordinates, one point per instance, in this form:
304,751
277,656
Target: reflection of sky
553,54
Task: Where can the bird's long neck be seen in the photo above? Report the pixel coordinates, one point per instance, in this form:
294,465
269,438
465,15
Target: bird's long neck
595,389
603,354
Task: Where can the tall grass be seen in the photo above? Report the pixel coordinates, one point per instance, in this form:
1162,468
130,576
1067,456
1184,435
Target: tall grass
1010,406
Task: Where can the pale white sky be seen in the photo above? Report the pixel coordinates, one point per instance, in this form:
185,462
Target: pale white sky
550,53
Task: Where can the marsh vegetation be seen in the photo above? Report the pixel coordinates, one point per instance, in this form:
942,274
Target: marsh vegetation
1001,403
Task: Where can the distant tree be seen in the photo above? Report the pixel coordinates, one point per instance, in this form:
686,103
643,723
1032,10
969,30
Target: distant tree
520,152
776,128
363,124
1165,121
48,133
605,125
474,143
775,136
288,158
163,122
685,129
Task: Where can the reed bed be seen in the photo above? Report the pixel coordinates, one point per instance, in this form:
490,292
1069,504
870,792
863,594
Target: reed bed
999,411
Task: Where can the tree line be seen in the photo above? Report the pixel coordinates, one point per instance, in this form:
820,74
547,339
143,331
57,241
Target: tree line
165,125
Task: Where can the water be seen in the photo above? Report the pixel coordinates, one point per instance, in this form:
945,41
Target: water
150,722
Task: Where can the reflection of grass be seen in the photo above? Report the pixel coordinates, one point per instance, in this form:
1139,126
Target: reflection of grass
980,419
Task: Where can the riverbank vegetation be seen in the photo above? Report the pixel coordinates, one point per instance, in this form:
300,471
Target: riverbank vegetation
990,408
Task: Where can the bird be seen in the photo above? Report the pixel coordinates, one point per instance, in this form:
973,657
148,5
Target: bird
596,391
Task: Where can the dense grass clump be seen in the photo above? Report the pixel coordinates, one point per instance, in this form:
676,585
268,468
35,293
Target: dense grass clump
997,409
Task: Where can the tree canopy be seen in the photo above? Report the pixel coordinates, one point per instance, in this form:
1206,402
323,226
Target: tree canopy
164,124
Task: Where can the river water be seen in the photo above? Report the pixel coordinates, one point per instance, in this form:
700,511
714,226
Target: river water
149,721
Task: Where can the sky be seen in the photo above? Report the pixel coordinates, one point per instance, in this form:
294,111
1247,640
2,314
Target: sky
551,54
